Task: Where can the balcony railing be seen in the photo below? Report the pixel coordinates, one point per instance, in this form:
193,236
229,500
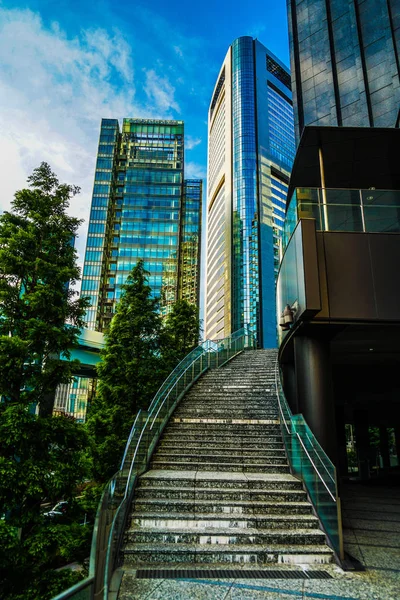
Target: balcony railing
344,210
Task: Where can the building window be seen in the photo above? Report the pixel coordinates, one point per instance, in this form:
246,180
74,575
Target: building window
278,72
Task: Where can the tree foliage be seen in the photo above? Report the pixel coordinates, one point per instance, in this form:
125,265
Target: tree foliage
181,332
139,353
42,458
130,371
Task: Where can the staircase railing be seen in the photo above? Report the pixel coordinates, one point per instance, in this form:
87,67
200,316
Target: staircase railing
115,503
310,463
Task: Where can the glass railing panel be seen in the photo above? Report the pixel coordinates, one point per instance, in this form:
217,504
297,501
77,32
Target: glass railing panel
380,219
342,217
305,210
384,198
290,221
309,462
340,196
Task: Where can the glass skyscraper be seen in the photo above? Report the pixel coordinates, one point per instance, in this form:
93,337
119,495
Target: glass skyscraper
251,148
345,62
142,208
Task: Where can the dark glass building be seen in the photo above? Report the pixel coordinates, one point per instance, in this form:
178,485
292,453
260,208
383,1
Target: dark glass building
345,62
251,148
142,208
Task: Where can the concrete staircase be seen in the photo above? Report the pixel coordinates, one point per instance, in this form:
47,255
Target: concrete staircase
219,489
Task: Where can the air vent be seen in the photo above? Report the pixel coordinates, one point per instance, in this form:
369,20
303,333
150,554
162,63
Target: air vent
229,574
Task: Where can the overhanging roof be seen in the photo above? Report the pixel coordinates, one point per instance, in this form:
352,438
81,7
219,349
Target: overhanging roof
354,157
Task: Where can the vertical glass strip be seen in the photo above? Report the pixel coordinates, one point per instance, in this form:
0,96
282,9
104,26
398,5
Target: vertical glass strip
245,297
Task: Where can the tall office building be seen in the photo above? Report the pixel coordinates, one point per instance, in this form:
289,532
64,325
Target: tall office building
345,62
250,153
142,208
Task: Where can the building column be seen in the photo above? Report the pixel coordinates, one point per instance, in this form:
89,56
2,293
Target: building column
362,442
384,446
314,390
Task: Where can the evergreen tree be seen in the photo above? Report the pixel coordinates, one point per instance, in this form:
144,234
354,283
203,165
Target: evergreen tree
130,371
181,332
42,458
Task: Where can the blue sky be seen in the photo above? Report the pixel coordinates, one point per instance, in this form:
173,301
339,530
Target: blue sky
66,64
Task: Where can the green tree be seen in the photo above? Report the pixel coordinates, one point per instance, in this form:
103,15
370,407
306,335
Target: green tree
130,372
41,457
181,332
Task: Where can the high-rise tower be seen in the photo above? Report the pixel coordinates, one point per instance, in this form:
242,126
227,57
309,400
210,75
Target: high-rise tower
345,62
142,208
250,153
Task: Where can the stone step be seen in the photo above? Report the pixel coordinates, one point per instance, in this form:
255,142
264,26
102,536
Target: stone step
226,450
205,437
254,458
198,479
186,493
226,413
140,554
237,406
220,444
205,520
233,507
224,426
247,467
224,537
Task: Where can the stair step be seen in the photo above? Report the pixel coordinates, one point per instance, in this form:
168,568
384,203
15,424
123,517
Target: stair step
215,553
231,451
211,520
231,507
204,456
194,480
219,494
204,437
210,466
225,537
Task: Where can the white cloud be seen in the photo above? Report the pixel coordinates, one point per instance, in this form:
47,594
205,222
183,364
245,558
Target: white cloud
160,92
53,93
178,51
194,171
191,142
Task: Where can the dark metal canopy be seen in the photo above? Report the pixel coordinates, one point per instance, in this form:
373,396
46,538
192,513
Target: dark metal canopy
353,157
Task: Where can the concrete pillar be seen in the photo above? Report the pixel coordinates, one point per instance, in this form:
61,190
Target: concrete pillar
362,442
314,390
289,385
384,446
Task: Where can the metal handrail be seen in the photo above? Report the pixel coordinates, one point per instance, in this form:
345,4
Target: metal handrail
106,530
316,446
129,439
170,390
305,449
300,440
